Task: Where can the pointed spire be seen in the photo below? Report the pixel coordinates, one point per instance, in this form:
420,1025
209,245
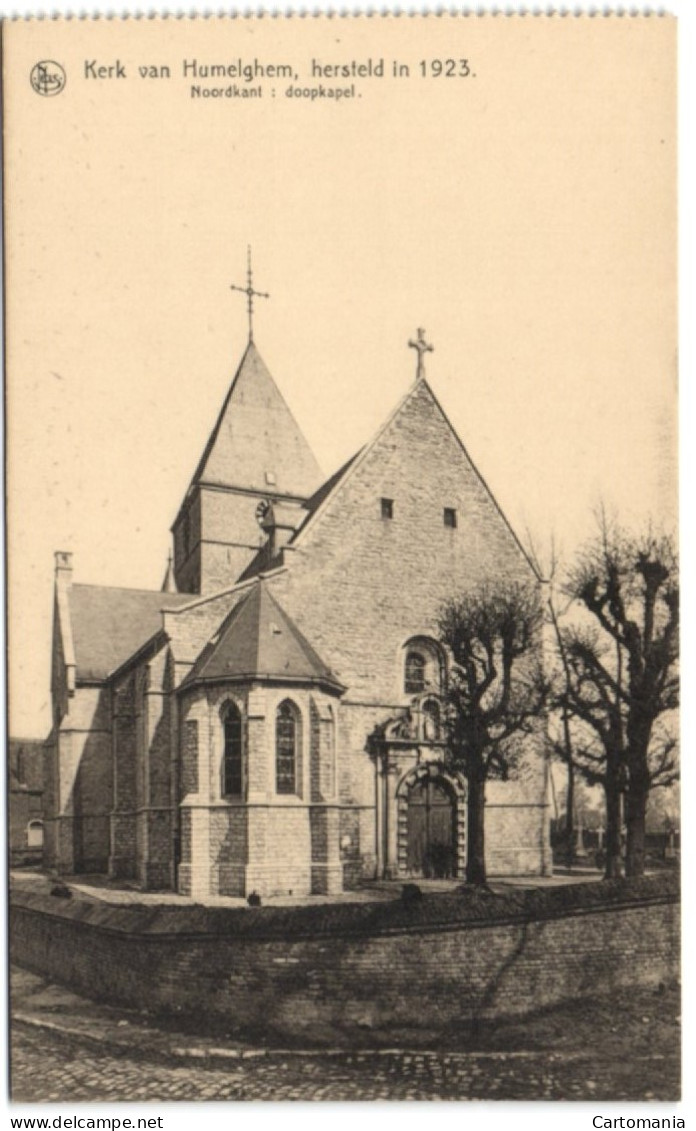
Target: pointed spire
169,584
256,443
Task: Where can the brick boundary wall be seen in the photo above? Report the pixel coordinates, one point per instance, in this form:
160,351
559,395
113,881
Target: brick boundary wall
309,986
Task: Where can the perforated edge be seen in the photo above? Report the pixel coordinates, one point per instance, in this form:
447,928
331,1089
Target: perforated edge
357,10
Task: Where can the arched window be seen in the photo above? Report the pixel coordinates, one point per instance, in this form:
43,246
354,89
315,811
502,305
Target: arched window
431,720
424,666
414,681
287,735
35,834
232,757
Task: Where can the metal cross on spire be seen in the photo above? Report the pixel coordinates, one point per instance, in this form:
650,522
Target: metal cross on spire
422,347
251,294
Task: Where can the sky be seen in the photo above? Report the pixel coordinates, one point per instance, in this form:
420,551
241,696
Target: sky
524,217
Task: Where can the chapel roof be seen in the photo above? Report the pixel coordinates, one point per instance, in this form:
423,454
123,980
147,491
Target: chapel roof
259,641
110,624
256,443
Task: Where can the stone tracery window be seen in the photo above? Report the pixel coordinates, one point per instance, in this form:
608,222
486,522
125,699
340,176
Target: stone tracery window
232,757
287,734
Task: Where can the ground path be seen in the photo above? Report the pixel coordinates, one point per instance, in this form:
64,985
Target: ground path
47,1067
67,1048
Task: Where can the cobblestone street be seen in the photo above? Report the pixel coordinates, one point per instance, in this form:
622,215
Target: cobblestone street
47,1067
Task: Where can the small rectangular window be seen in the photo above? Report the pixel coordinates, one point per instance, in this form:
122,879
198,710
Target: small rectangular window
450,517
387,508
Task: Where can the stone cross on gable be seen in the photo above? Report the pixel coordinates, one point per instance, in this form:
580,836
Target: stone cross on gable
251,294
422,347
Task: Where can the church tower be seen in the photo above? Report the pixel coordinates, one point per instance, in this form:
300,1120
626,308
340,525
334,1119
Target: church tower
256,454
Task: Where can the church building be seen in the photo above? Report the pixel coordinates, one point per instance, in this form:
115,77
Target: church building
270,721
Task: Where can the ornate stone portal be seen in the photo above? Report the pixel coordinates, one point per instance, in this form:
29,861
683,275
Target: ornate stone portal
421,805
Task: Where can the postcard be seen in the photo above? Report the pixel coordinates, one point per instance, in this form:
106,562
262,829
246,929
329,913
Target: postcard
341,535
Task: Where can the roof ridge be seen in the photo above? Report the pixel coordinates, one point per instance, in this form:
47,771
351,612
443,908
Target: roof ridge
196,599
130,589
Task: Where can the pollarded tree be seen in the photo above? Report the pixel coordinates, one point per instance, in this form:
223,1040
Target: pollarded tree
625,687
495,692
590,700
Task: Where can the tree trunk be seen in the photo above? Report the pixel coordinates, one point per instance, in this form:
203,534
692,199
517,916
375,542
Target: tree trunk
612,867
636,803
638,740
570,814
475,856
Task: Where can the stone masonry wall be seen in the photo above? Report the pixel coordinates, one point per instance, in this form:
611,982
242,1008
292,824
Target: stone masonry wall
230,537
260,841
127,768
359,586
309,985
79,778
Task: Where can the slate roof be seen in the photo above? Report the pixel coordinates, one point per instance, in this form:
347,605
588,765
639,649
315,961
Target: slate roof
255,434
110,624
258,640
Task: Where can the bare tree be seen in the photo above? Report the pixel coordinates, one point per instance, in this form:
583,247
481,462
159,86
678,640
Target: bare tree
624,673
593,708
558,677
495,693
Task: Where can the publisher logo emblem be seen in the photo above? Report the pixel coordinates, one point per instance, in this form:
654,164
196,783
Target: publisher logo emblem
47,78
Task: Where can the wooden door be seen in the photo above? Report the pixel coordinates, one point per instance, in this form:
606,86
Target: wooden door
431,841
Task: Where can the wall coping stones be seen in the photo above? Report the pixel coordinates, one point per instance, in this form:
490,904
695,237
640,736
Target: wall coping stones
465,909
